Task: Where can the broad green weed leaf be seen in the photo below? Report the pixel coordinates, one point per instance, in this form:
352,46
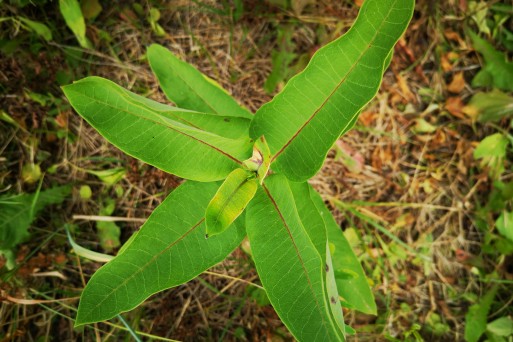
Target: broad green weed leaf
492,146
504,224
39,28
303,121
142,132
492,106
354,289
17,213
288,263
477,316
230,200
70,10
169,249
333,296
497,71
190,89
501,327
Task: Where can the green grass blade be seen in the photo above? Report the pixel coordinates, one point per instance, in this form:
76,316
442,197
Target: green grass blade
303,121
169,249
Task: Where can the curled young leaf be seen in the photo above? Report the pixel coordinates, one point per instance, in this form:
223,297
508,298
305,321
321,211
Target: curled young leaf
230,200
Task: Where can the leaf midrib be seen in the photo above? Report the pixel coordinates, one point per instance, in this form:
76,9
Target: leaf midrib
142,268
168,127
268,193
334,90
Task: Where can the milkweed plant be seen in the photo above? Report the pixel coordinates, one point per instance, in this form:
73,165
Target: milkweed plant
247,175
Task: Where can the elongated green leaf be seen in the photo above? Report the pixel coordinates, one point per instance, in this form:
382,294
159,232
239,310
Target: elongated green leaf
304,120
288,263
477,316
316,229
497,71
39,28
87,253
189,88
17,213
230,200
169,249
354,290
492,106
70,10
142,132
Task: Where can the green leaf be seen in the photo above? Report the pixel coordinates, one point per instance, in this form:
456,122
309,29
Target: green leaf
17,213
477,316
288,263
222,125
190,89
504,225
501,327
109,233
497,68
86,253
110,176
136,128
230,200
492,146
332,292
316,229
90,8
153,19
492,106
303,121
39,28
310,217
70,10
169,249
355,289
